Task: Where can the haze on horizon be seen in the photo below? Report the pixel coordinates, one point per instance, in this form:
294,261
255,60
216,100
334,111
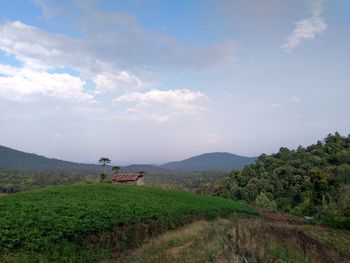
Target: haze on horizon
150,81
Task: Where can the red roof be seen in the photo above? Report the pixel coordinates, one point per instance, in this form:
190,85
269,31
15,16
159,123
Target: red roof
126,177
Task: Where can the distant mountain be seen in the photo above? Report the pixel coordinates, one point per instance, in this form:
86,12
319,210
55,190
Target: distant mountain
211,161
148,168
11,159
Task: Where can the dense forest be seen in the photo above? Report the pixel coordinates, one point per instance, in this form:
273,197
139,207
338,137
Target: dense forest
312,181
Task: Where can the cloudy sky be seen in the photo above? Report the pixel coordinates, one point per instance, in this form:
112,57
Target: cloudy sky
150,81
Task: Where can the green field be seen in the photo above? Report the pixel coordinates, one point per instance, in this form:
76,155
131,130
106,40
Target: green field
35,224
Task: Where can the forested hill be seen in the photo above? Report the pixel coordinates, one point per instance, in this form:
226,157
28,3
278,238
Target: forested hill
11,159
211,161
311,181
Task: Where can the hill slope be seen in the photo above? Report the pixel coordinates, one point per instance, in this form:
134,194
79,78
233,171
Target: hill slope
314,181
11,159
48,220
211,161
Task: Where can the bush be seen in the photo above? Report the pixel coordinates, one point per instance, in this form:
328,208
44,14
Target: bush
264,202
336,221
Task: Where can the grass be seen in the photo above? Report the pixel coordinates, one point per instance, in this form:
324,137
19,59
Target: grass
198,242
335,238
228,240
48,224
284,254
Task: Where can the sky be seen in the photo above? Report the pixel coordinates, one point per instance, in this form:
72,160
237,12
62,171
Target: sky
151,81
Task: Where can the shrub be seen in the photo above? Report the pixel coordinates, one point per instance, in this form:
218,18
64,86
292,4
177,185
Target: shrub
264,202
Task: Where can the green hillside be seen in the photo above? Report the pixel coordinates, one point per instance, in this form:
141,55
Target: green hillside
313,181
52,223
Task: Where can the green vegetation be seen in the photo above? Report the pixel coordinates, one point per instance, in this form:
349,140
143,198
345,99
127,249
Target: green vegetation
104,161
53,222
311,181
263,201
20,171
283,254
16,181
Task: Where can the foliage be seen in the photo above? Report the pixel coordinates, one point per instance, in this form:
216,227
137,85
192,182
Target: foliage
263,201
283,254
116,169
15,181
102,177
306,181
37,220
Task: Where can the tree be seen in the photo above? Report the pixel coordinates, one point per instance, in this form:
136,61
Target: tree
104,161
263,201
319,181
141,172
116,169
102,177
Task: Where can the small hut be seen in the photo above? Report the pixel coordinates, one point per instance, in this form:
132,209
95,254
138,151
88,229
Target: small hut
136,179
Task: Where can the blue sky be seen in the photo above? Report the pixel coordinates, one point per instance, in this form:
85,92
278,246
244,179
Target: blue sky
149,81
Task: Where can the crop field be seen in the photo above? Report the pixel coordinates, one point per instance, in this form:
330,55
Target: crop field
38,220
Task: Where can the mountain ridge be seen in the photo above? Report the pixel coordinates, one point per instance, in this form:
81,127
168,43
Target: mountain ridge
11,159
211,161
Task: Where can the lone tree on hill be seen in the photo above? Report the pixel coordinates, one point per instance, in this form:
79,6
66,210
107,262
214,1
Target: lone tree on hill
104,161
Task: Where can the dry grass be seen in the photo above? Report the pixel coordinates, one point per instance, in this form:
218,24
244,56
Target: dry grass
256,238
335,238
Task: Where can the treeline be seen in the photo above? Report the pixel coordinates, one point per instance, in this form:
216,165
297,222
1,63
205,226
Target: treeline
16,181
189,181
312,181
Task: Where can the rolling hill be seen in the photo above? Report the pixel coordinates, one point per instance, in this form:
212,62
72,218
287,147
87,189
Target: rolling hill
72,223
211,161
11,159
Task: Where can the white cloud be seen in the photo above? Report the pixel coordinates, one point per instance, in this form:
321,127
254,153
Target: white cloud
307,29
112,54
161,106
112,51
112,45
23,83
109,81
